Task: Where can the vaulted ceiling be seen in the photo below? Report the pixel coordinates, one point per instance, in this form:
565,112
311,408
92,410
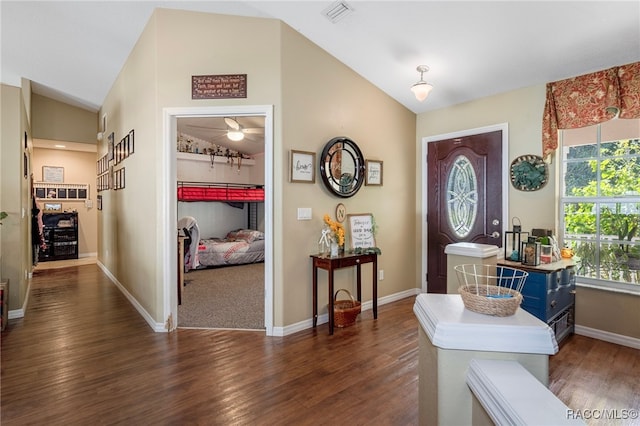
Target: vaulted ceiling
73,50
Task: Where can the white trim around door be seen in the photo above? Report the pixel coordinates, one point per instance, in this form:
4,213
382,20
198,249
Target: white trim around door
168,201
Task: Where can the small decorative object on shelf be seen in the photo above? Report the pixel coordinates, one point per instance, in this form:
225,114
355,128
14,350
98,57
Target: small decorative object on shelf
531,252
566,252
512,244
546,253
324,244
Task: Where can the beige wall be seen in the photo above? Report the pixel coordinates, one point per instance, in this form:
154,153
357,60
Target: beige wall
279,64
15,254
79,167
341,103
608,311
128,226
522,110
58,121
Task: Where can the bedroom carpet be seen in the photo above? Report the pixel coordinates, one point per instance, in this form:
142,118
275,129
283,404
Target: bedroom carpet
229,297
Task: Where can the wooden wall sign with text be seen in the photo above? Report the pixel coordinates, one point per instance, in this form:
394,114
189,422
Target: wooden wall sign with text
226,86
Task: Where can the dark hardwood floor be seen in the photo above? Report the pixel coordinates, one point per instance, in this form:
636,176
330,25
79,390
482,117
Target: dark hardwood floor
83,355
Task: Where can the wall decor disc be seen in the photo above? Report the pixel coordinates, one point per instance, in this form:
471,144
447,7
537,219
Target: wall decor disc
529,172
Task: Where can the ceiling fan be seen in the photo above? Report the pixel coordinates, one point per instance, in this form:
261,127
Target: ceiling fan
236,132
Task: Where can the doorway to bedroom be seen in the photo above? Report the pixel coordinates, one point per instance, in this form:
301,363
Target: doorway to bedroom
221,158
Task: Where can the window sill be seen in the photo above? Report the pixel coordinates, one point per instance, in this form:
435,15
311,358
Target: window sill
630,289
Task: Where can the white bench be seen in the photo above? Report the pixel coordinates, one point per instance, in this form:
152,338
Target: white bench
510,395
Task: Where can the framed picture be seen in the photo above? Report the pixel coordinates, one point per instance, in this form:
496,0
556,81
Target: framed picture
374,173
361,231
52,174
53,207
131,142
118,179
112,137
303,166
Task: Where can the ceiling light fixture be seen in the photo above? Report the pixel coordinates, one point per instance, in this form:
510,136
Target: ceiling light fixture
235,135
421,89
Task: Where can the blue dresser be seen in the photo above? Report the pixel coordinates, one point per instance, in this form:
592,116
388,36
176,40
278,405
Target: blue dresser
549,294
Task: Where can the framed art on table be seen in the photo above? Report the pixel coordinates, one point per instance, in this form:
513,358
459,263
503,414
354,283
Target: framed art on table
361,231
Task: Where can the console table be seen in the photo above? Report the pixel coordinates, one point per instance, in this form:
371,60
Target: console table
343,261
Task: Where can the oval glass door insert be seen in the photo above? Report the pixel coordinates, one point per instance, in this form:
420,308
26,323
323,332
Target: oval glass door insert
462,197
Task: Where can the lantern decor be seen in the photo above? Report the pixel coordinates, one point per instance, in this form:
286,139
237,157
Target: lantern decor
513,243
530,254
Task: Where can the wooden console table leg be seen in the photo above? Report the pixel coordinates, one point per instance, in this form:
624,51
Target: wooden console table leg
375,287
359,282
330,300
315,295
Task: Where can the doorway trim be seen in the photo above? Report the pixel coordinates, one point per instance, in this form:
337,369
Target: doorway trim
504,127
168,204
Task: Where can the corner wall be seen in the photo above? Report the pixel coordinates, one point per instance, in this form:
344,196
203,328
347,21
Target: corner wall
15,254
278,63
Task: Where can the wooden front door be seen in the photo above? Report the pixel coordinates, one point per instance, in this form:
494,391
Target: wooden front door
464,181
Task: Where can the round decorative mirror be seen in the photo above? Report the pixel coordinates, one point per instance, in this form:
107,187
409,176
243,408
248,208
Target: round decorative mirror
342,167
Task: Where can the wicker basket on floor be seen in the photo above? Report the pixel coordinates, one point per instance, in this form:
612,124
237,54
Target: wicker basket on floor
491,290
345,311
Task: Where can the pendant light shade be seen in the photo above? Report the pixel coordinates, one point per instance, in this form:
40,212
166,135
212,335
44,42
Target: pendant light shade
421,89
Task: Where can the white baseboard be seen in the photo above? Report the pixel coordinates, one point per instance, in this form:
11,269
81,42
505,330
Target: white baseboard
607,336
156,326
324,318
19,313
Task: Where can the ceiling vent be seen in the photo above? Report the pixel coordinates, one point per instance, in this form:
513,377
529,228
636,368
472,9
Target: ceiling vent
337,11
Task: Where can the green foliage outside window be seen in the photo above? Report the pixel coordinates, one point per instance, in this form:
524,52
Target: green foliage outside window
602,225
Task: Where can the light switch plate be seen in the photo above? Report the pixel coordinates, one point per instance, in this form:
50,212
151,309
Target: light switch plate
304,213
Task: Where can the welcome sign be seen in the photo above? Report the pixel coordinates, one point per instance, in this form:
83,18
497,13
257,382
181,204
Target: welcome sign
361,231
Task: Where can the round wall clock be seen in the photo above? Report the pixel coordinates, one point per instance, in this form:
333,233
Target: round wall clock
341,212
529,173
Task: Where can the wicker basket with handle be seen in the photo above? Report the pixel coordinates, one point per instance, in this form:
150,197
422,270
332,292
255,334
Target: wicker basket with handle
490,289
345,311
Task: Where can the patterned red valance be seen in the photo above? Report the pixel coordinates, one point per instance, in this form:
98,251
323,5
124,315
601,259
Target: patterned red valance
590,99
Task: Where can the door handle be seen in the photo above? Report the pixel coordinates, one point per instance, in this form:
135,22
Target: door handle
494,234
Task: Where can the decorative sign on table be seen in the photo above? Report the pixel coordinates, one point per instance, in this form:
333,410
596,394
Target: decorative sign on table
361,231
227,86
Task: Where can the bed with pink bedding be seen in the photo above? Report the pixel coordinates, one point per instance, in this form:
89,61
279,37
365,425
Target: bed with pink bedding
237,248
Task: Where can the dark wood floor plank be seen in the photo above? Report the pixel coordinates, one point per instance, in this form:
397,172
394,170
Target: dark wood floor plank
83,355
